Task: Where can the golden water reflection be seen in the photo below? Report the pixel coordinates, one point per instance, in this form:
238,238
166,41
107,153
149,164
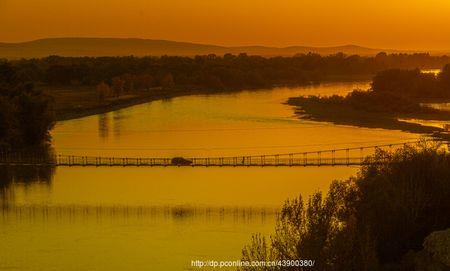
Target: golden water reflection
40,238
231,187
160,217
243,123
56,225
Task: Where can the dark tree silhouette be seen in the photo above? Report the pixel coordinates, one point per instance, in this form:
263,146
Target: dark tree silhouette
26,114
368,222
212,72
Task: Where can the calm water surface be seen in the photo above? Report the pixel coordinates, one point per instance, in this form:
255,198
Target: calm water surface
162,218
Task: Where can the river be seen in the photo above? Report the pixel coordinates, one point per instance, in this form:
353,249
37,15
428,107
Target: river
162,218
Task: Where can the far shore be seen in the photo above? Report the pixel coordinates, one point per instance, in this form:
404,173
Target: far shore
74,103
88,108
78,102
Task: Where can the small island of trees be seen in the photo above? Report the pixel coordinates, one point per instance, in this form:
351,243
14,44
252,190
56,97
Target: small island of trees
394,94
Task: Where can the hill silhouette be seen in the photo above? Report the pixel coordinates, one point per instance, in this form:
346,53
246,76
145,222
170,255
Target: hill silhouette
147,47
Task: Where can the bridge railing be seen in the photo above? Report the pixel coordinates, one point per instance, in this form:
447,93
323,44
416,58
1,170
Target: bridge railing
349,156
206,162
69,160
276,161
9,157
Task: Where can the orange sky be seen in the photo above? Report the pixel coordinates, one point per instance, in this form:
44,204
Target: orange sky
400,24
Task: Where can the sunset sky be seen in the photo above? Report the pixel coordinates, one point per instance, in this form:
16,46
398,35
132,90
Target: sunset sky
399,24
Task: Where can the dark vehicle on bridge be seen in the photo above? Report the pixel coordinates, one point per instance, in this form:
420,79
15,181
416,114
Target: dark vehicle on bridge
180,161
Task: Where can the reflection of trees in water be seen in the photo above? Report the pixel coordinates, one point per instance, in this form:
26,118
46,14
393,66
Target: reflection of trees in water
177,214
117,120
103,125
25,175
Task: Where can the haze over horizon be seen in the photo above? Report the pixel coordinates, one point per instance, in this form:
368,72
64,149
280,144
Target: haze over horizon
81,38
421,25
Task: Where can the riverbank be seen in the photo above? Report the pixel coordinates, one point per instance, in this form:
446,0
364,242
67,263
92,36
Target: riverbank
82,102
78,102
74,103
326,109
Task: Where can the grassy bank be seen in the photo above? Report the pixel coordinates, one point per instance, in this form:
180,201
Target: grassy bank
77,102
72,103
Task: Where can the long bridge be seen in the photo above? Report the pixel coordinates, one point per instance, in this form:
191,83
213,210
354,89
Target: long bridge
356,156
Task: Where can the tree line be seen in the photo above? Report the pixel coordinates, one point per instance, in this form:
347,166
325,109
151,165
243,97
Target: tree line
27,114
394,92
211,72
413,83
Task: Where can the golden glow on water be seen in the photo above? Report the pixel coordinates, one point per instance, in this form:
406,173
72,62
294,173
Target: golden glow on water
126,217
249,122
433,71
430,123
61,223
67,240
439,106
216,187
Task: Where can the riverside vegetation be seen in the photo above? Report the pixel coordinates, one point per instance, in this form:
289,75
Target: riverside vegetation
394,94
88,85
36,92
26,113
377,220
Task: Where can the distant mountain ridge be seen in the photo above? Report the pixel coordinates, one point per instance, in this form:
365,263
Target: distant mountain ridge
147,47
